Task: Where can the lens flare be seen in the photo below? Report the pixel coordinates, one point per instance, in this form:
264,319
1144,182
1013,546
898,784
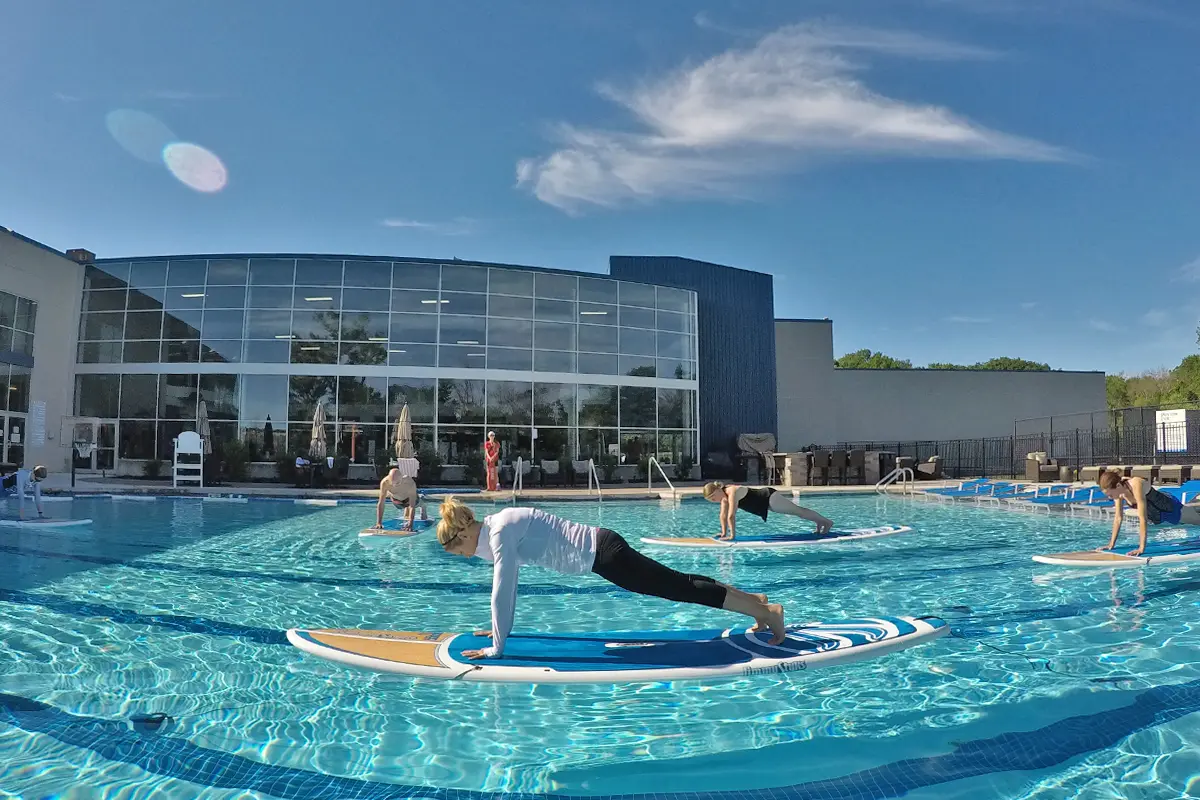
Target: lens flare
141,135
195,167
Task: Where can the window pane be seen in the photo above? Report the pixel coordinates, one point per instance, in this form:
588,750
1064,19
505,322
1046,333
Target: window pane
636,317
597,406
637,366
8,309
314,298
557,287
553,361
272,271
675,345
104,301
509,358
318,273
106,276
362,399
305,392
322,325
460,400
412,355
314,352
556,310
636,445
227,272
414,328
635,341
268,324
510,333
597,314
365,300
554,404
148,275
509,403
554,444
596,339
364,327
139,396
142,352
268,351
597,290
272,297
419,393
6,343
97,395
26,315
187,352
187,273
369,274
676,408
463,330
674,300
22,343
554,336
457,444
220,395
223,351
360,443
415,276
674,368
461,357
682,323
177,395
299,438
460,278
636,294
146,299
99,353
136,440
421,302
363,353
225,297
672,445
176,325
510,281
223,324
593,364
264,397
106,325
459,303
18,390
265,445
597,443
518,307
144,325
166,434
639,406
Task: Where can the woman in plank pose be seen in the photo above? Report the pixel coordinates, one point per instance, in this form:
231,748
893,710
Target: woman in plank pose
1153,507
758,502
517,536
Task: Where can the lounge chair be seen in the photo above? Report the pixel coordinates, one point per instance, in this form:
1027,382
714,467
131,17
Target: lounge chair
1146,472
930,470
1091,474
1176,474
1078,497
973,486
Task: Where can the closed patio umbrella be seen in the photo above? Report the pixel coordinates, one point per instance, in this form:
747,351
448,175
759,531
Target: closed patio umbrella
316,449
268,438
202,427
404,445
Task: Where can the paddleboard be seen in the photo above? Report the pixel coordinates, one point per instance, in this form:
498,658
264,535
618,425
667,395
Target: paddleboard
45,499
1155,553
391,529
620,657
776,541
43,522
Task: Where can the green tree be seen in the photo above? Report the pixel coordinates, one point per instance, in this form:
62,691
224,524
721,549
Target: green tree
1116,387
865,359
1012,364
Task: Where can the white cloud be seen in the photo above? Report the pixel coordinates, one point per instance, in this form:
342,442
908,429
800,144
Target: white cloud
710,128
1030,305
179,95
1101,325
1156,317
67,98
1189,272
968,320
457,227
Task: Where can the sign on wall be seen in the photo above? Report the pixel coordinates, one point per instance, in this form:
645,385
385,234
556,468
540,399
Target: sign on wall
37,423
1172,430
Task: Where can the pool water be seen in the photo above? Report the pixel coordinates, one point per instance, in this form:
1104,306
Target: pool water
1056,683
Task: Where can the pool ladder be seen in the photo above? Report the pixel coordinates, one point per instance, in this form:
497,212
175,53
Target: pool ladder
518,479
650,478
903,475
594,475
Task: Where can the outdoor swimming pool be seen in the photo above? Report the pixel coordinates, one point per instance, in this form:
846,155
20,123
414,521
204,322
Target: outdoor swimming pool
180,606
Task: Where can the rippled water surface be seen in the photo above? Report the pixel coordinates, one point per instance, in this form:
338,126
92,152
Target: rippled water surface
1057,683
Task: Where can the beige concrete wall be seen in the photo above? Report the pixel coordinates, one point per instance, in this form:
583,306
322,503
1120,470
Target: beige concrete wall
56,284
804,383
903,404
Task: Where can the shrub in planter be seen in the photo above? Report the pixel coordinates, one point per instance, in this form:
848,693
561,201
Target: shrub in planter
285,467
153,468
683,470
473,464
236,456
430,472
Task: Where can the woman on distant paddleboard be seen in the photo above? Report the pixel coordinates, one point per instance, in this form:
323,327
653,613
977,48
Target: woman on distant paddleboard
1153,507
758,502
517,536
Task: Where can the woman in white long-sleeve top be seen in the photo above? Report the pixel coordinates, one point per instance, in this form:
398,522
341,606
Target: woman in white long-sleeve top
518,536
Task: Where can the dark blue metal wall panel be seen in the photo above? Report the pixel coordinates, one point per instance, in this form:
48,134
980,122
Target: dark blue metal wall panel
736,316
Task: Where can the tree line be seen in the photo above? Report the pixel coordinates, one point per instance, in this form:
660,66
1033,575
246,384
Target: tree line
866,359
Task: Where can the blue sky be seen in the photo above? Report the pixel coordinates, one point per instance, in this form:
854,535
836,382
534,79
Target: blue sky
948,180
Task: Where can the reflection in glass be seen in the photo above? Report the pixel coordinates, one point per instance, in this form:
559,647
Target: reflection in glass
516,307
412,355
460,401
638,407
306,391
636,317
364,326
187,273
554,310
148,274
268,351
674,300
637,366
461,278
596,443
474,305
225,297
594,364
272,272
22,343
509,358
597,406
674,368
99,353
463,330
18,389
361,443
26,315
365,300
597,339
415,301
310,351
223,324
264,396
597,314
362,399
177,325
104,325
419,393
106,276
220,395
97,395
8,309
555,286
553,361
136,439
369,274
676,408
510,333
636,294
509,403
324,325
414,328
510,281
456,442
268,324
144,325
228,351
635,341
363,353
675,345
142,352
554,404
177,396
104,301
181,352
636,445
414,276
227,272
299,438
262,449
554,336
597,290
312,272
273,297
146,299
316,298
554,444
462,357
682,323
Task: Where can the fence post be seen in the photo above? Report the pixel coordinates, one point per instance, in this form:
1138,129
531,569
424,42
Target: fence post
1077,464
1050,449
1012,455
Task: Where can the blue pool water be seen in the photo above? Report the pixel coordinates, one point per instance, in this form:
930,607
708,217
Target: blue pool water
179,606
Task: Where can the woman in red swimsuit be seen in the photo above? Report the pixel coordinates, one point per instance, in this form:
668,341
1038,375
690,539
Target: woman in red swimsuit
491,456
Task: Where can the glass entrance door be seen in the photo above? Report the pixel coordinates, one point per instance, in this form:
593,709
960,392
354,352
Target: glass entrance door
14,439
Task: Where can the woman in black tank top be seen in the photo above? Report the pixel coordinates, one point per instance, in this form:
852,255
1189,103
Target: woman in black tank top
758,501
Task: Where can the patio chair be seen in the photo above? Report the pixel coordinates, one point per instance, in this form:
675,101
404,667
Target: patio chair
930,470
1146,472
858,465
552,472
839,461
1090,474
820,466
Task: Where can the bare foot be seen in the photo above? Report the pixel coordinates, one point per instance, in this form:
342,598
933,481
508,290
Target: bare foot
774,621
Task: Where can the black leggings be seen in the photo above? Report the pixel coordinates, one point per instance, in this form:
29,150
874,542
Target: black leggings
619,563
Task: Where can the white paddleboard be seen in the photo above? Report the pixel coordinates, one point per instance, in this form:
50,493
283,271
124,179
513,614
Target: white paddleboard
43,522
391,530
1171,552
620,657
776,541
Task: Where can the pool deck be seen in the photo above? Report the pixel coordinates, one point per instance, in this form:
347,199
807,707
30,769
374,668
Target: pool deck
58,483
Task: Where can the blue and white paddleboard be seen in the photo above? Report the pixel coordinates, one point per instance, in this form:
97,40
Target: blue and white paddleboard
391,530
42,522
1170,552
776,541
620,657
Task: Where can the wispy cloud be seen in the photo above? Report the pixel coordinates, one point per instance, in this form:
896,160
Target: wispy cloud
1189,272
1156,317
65,97
460,226
795,95
178,95
1037,11
1101,325
1029,305
968,320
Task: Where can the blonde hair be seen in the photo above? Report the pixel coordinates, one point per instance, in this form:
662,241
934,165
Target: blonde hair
456,517
712,487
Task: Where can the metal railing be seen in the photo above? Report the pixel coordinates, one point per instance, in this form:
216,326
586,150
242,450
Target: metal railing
903,475
592,474
518,479
650,477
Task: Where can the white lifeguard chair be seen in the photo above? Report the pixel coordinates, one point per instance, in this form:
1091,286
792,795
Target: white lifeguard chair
188,446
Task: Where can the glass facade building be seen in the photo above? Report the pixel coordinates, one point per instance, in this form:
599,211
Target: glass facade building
18,317
559,365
